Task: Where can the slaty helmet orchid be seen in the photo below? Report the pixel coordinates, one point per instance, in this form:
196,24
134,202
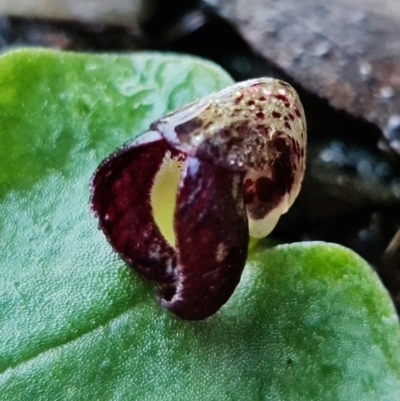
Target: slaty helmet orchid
234,162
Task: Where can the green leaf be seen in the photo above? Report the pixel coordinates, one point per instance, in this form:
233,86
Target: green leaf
307,322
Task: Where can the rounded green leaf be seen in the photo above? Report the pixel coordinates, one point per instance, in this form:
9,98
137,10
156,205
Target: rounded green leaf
307,322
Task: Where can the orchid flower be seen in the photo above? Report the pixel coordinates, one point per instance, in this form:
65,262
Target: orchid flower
234,162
